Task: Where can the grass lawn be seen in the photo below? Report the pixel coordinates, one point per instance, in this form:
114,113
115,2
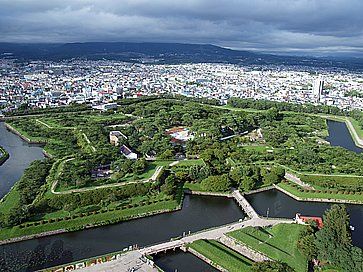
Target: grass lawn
222,255
4,155
323,182
11,200
190,162
193,187
150,170
304,195
278,243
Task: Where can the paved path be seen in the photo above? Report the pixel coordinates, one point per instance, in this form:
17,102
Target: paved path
246,206
130,261
295,179
44,124
89,142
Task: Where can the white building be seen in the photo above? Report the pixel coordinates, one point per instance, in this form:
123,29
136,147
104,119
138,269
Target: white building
128,153
318,86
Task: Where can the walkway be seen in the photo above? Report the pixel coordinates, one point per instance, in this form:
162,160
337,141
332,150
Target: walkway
246,206
130,261
295,179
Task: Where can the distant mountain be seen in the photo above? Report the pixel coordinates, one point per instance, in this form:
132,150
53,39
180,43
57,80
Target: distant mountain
163,53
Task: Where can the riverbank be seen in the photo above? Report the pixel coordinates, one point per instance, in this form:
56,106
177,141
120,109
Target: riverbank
28,140
354,131
18,234
22,136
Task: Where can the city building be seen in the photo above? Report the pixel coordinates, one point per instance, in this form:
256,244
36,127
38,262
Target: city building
318,86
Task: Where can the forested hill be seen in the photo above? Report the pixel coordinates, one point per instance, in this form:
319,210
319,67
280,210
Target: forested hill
163,53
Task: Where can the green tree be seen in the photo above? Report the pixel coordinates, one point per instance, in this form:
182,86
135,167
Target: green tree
247,183
306,243
278,171
139,166
216,183
236,174
271,178
271,266
169,185
334,242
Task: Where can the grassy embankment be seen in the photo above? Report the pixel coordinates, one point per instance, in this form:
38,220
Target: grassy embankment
275,243
221,255
94,219
4,155
356,197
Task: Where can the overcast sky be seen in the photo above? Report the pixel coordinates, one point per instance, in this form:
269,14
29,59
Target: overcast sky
302,26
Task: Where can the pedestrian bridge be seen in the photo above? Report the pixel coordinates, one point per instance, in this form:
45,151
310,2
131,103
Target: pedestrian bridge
245,205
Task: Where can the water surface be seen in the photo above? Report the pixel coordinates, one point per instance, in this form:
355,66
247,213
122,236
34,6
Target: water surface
274,203
182,262
339,135
21,155
198,212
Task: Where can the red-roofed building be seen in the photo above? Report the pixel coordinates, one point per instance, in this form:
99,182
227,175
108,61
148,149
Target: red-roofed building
305,219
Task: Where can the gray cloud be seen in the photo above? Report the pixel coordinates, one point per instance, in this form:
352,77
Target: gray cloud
311,26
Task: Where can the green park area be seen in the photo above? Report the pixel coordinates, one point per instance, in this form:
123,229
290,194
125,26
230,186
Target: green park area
326,194
221,255
89,181
275,243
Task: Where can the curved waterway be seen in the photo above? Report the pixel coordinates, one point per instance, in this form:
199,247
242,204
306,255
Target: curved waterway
198,212
21,155
339,135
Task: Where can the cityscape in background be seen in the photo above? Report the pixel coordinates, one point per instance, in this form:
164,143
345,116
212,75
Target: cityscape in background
41,84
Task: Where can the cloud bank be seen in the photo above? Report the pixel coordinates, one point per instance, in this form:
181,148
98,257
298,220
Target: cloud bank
300,26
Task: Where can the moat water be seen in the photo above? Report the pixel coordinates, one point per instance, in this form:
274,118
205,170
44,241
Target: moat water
198,213
182,262
21,155
339,135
